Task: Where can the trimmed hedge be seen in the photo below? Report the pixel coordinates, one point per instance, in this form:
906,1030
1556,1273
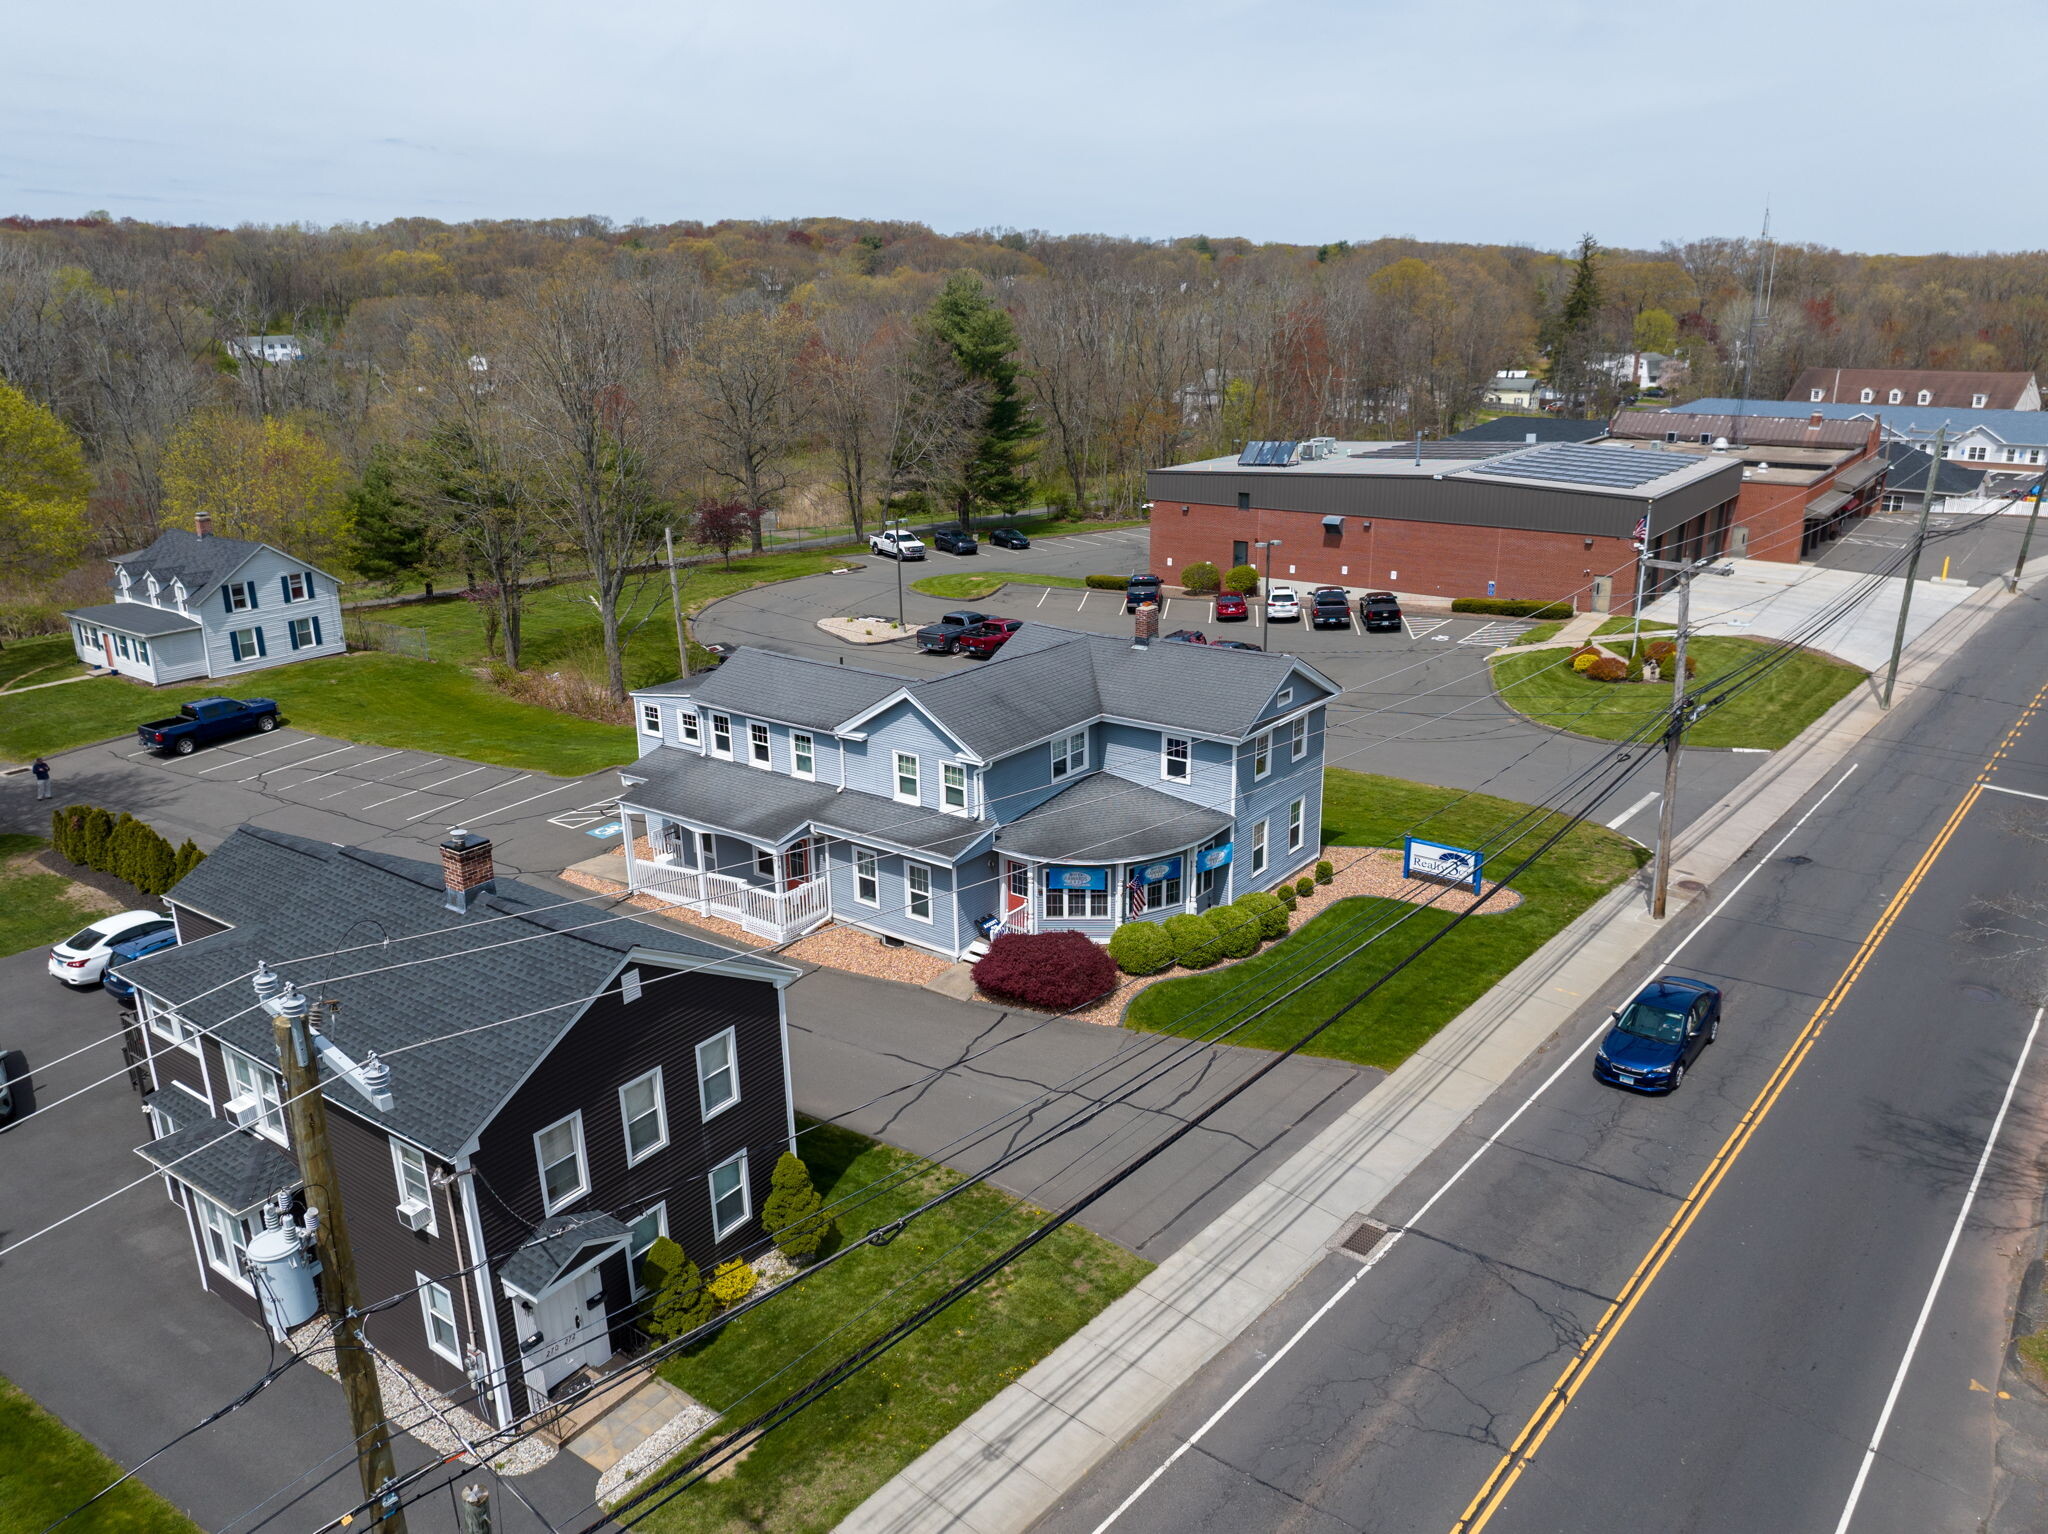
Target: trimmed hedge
1508,607
1237,931
1270,909
1194,940
1200,578
125,847
1325,871
1304,885
1141,948
1242,579
1108,582
1054,970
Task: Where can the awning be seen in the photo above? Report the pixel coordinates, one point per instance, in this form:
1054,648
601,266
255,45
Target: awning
1857,475
1333,522
236,1168
1821,507
560,1246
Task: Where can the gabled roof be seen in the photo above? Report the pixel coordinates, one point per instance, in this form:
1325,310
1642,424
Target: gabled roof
1909,472
557,1246
1845,386
1107,819
134,618
285,896
201,563
2022,428
766,684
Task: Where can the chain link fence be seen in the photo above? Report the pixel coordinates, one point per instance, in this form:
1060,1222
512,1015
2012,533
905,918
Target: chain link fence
364,634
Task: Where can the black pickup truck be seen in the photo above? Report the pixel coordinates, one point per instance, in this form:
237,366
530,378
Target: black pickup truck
208,719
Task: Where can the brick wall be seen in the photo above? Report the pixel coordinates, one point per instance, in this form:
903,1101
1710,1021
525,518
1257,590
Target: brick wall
1776,518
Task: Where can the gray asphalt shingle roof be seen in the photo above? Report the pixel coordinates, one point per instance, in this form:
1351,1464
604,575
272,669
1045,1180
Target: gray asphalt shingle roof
764,684
237,1168
134,618
185,556
1107,819
286,895
555,1246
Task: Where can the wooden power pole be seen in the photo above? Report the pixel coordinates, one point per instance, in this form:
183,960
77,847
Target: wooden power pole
1674,732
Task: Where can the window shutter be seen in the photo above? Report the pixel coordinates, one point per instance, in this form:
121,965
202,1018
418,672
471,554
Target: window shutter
250,587
235,643
291,634
284,586
309,586
261,649
316,630
227,599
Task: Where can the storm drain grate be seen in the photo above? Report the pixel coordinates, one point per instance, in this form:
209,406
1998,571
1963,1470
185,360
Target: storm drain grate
1363,1239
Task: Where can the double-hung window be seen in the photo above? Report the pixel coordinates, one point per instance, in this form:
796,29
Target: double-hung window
238,597
305,633
917,879
1176,759
1297,739
437,1307
803,755
764,863
1297,821
686,723
953,788
294,586
142,649
757,745
1262,755
121,645
906,778
650,718
867,876
721,735
409,1167
718,1074
1259,847
564,1175
247,644
730,1205
226,1239
640,1238
1070,754
645,1116
256,1102
166,1024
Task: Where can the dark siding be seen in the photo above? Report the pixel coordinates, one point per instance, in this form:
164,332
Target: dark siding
615,1042
388,1256
172,1063
194,925
239,1298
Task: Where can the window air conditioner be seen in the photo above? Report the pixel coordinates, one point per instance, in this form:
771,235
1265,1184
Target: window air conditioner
243,1111
414,1215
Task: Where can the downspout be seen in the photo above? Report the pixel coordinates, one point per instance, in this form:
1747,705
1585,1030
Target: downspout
494,1344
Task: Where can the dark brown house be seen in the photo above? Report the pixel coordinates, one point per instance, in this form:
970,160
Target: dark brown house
568,1083
1918,388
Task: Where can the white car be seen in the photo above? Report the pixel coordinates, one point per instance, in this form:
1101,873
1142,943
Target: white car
1282,604
897,543
82,958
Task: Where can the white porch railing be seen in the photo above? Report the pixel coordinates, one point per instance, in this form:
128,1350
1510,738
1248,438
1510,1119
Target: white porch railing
777,915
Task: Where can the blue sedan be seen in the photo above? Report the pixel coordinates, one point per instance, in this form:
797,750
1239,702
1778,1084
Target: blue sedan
1658,1034
117,985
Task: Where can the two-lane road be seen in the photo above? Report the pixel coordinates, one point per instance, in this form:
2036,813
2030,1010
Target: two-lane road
1696,1312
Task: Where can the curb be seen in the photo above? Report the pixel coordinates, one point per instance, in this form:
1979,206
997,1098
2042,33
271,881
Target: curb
1011,1461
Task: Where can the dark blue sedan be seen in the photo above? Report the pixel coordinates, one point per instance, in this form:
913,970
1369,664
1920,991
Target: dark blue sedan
1658,1034
153,942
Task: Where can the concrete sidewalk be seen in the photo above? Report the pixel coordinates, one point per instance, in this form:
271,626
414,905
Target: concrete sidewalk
1008,1463
1765,599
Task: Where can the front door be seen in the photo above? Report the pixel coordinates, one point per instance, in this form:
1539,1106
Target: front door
796,864
573,1333
1016,895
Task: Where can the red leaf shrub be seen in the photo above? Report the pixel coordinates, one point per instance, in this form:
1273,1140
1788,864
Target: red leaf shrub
1608,668
1055,970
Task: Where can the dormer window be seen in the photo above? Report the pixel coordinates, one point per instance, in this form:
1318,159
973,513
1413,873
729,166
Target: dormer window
1926,397
149,584
1894,397
1817,395
1869,395
121,577
178,592
1979,401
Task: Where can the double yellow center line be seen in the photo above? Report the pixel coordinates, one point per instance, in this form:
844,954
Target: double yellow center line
1494,1490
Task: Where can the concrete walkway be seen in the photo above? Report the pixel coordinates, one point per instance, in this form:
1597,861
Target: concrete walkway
1764,599
1008,1463
1576,631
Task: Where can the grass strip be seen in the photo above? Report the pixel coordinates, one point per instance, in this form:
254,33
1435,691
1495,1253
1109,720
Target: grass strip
970,585
46,1470
36,908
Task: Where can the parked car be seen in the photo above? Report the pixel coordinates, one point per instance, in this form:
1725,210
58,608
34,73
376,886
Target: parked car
208,719
1235,644
1330,608
1139,590
1379,610
1009,538
896,543
1658,1034
81,959
954,540
1231,607
1282,605
984,639
1189,636
132,948
943,637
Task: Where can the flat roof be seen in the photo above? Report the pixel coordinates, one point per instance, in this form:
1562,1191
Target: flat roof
1604,468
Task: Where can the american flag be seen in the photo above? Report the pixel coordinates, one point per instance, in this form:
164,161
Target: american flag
1137,898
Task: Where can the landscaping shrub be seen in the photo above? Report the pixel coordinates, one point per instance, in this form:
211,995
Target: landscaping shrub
1608,668
1286,896
1270,910
1108,582
1237,931
1304,885
681,1302
1055,970
1508,607
1582,659
1194,940
791,1212
1242,579
1325,871
1660,650
1141,948
127,848
733,1281
1200,578
90,845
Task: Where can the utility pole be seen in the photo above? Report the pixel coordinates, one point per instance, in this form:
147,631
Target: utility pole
297,1025
1891,674
2027,538
1265,586
1674,732
476,1510
675,602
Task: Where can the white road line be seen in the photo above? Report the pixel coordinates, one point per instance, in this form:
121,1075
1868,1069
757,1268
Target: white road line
250,756
429,787
505,808
1082,603
1395,1235
464,799
2019,792
330,772
1948,1252
1042,596
303,762
1633,810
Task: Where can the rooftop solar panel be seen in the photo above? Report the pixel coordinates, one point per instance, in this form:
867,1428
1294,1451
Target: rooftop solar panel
1250,454
1573,463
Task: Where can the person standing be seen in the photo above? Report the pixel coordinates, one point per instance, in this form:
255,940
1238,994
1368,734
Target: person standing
41,770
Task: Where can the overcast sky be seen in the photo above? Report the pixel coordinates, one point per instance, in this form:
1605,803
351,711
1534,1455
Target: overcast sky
1290,120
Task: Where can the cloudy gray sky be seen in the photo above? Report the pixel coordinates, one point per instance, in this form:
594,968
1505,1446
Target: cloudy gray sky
1304,120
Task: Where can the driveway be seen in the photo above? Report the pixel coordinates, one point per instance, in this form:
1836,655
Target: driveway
106,1325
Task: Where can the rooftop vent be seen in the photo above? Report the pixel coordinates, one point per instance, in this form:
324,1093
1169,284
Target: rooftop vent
466,868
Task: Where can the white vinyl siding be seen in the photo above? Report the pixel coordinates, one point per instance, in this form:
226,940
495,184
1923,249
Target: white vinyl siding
564,1174
730,1201
645,1116
718,1074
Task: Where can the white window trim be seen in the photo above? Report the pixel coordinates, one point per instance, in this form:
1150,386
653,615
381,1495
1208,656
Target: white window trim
1262,756
810,748
311,638
966,804
897,775
746,1196
732,1055
634,1158
240,1280
660,1213
1261,847
764,862
548,1205
398,1151
1166,758
711,745
910,892
1297,824
650,719
1297,740
870,860
1070,753
295,578
238,597
428,1289
760,745
689,727
239,652
262,1076
179,1033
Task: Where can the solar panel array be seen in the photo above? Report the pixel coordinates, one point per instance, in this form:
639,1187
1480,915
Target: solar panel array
1266,455
1575,463
1442,448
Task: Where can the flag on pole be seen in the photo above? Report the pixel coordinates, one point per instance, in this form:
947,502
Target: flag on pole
1137,897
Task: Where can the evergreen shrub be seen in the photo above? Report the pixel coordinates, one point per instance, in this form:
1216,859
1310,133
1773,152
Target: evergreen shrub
1270,910
1242,579
1608,668
1194,940
1141,948
1200,578
1509,607
681,1302
1237,931
1325,871
791,1213
733,1281
1108,582
1304,885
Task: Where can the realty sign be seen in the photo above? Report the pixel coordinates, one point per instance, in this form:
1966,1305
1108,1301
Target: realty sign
1211,858
1077,878
1434,860
1156,873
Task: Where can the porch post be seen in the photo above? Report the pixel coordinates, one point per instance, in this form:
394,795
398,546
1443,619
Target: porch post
626,827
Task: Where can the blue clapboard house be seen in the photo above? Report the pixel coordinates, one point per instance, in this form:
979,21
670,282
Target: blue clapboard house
1073,781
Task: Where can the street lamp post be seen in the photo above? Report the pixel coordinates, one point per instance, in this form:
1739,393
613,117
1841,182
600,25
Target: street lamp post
1265,584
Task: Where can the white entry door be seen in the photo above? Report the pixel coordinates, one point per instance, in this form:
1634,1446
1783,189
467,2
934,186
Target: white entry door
573,1333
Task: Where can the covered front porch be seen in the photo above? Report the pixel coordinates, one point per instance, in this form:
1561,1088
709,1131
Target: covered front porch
773,890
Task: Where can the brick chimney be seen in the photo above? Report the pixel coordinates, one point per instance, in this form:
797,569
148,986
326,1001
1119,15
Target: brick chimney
1146,625
466,868
202,523
1813,421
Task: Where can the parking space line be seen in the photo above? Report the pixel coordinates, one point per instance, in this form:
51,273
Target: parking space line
1633,810
503,808
330,772
465,798
1082,603
1042,596
250,756
306,761
427,788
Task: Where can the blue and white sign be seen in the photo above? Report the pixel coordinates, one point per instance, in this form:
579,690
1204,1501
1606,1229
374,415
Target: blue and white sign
1077,878
1156,873
1434,860
1209,859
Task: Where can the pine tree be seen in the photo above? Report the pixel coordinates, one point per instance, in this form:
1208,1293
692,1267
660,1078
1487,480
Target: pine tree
123,857
391,537
790,1213
1569,334
984,344
155,861
188,858
96,827
60,830
682,1300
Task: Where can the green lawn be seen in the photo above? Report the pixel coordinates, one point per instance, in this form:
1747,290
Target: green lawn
1626,625
383,700
1768,715
25,662
1538,634
35,908
46,1470
805,1476
971,585
1365,810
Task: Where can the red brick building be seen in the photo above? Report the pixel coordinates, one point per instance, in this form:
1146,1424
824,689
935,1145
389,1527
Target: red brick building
1551,522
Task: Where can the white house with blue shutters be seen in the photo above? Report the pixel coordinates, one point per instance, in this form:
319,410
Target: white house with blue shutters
192,605
1074,781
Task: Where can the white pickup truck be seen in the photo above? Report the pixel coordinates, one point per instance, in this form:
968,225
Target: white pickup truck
896,543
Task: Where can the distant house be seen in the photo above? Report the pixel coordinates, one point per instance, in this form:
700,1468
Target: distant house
1998,441
1518,389
1916,388
1908,478
192,605
1640,370
266,349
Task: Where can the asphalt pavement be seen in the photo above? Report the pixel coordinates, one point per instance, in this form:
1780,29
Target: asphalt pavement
1691,1312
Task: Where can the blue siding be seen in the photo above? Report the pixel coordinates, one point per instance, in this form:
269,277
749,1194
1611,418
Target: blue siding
901,728
1267,799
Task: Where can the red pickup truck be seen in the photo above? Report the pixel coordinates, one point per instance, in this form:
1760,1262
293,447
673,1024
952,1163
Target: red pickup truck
984,639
